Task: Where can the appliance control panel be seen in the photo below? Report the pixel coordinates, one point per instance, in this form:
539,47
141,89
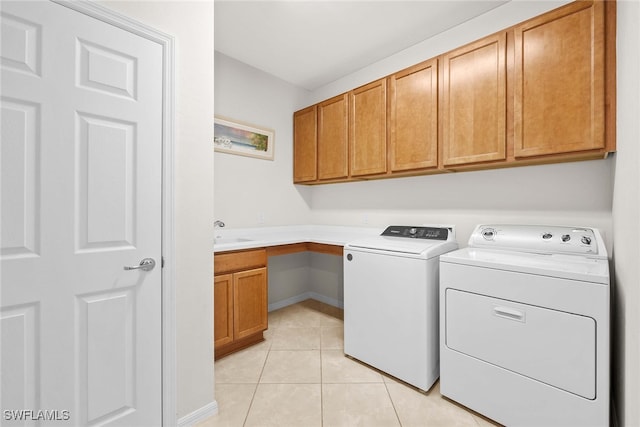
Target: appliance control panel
417,232
539,239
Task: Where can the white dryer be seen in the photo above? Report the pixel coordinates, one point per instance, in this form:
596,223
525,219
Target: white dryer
524,325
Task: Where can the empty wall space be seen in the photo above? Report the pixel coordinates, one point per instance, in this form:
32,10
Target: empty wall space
576,193
626,221
289,278
252,192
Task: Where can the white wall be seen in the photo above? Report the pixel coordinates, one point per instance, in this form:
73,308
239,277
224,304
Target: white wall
191,23
254,192
626,219
570,193
289,277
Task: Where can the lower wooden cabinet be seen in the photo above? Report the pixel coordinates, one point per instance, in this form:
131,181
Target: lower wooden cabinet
240,300
249,302
223,310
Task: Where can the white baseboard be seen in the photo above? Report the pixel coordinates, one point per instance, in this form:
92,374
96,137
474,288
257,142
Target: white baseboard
289,301
305,296
199,415
325,299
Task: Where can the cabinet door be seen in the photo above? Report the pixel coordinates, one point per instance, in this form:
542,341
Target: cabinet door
368,129
413,121
305,145
332,138
559,81
250,302
474,102
223,309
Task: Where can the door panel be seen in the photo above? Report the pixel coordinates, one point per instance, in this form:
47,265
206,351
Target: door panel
22,42
413,102
474,102
81,194
333,148
106,193
103,69
107,350
223,309
21,193
19,350
558,111
305,145
368,129
250,302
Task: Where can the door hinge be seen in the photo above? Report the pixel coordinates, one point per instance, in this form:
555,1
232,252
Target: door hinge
161,262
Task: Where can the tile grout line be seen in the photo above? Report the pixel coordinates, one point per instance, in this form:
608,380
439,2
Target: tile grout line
386,387
321,386
397,405
255,390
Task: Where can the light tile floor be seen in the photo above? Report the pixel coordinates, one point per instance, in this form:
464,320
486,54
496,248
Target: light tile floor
299,377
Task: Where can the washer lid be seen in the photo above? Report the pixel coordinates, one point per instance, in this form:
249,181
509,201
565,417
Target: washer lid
411,241
594,270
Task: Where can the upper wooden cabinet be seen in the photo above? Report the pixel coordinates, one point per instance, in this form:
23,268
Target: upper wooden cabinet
305,145
473,111
413,118
333,148
560,81
368,129
542,91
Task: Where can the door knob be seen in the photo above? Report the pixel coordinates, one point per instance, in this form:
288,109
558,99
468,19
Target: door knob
146,264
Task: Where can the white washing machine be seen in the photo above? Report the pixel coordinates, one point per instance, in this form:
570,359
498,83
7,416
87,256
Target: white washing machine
391,301
524,325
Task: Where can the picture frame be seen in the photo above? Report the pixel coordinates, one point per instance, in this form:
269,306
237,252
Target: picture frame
244,139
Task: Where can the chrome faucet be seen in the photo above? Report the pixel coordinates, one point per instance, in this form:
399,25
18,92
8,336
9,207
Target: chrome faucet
218,223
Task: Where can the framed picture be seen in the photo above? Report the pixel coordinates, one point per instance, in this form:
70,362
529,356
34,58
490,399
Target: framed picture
231,136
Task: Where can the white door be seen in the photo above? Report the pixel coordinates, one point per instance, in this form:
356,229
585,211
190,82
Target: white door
81,104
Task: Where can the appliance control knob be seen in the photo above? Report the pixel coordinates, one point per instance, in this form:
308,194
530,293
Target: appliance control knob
413,231
586,240
547,236
488,233
566,237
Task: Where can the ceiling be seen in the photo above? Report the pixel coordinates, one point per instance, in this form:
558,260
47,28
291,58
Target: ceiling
312,43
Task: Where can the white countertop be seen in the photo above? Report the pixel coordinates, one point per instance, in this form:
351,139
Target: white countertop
232,239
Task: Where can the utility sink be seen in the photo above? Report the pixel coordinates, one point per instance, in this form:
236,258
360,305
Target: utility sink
223,240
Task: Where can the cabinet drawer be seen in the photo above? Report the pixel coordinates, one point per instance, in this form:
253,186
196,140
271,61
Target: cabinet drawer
239,260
